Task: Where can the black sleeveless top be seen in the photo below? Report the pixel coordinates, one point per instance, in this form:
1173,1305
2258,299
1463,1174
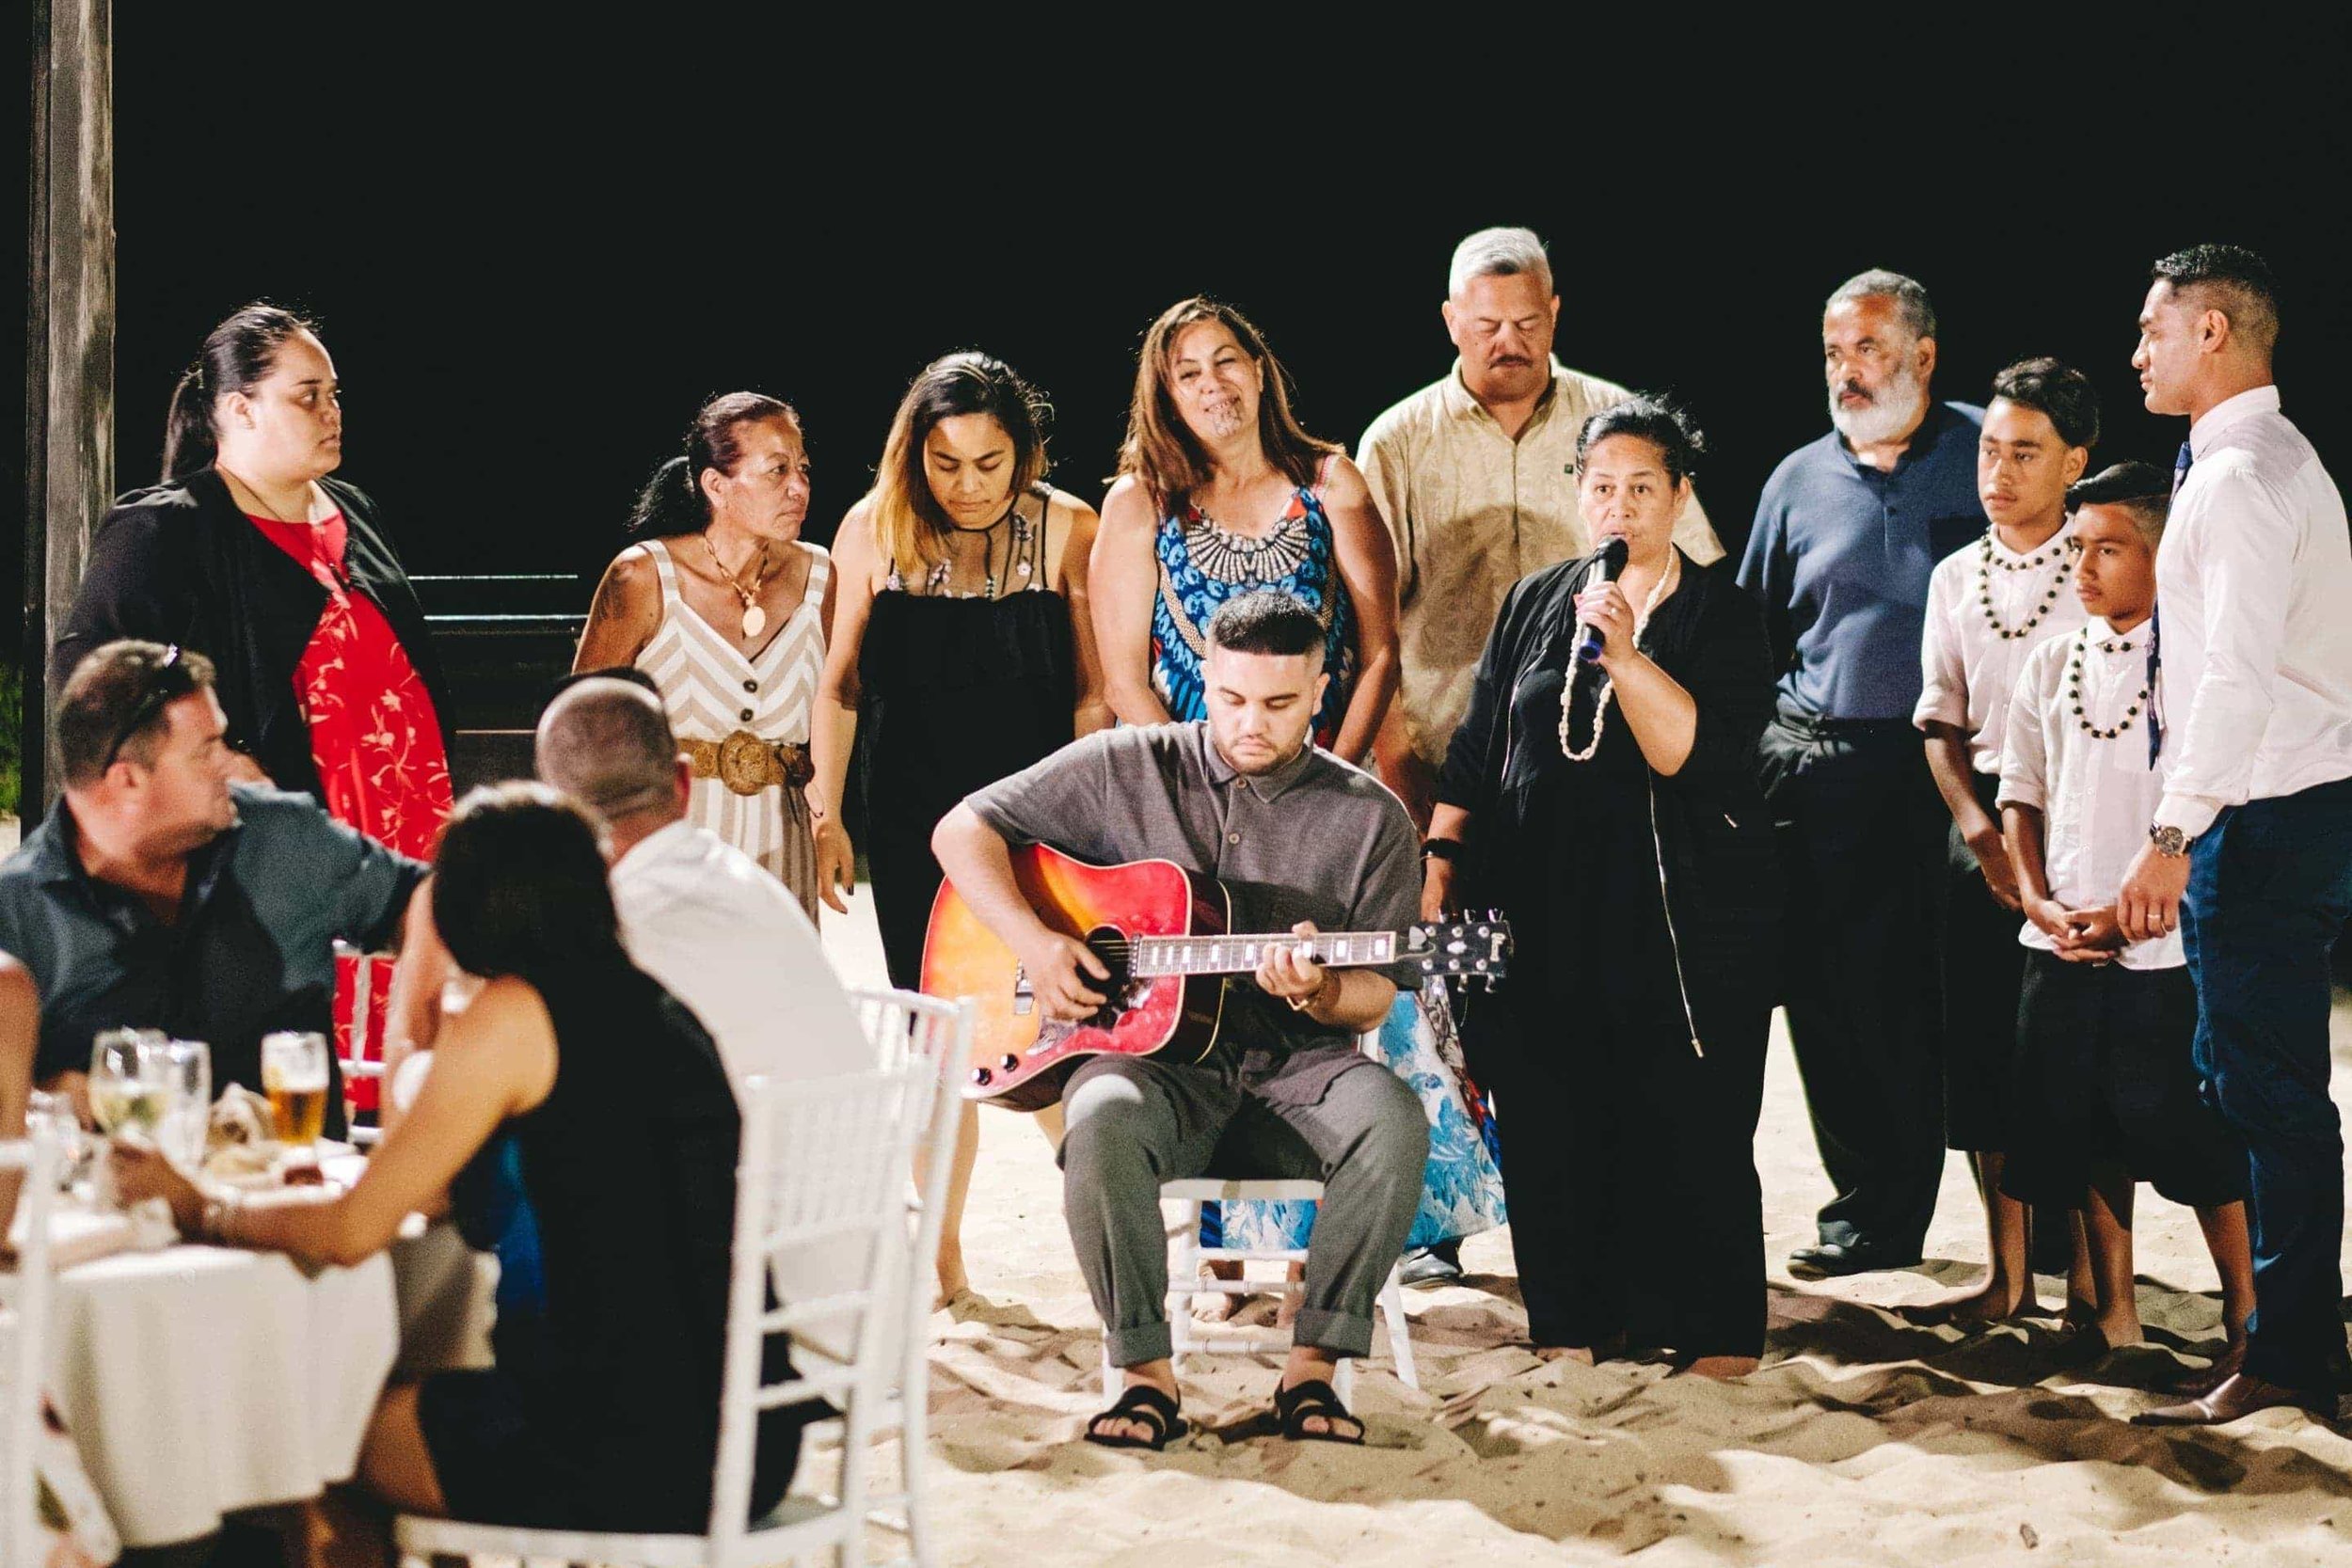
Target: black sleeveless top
955,693
628,1167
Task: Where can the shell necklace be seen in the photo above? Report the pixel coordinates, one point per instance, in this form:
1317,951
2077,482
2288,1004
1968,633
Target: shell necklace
754,618
1658,593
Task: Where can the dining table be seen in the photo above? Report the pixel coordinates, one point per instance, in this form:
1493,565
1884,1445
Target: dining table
198,1381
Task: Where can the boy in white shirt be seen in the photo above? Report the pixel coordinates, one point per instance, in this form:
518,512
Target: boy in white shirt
1990,604
2107,1093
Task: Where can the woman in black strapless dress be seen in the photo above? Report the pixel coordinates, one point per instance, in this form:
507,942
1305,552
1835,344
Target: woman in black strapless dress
960,651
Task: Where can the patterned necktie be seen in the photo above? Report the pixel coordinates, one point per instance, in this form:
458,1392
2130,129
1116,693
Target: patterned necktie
2156,628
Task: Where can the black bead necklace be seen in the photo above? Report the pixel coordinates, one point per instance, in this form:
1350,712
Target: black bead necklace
2056,551
2074,686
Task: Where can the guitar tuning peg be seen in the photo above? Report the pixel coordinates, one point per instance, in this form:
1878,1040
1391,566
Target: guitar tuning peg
1494,914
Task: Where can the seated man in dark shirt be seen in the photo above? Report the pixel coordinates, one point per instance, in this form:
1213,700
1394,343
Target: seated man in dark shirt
1301,841
159,895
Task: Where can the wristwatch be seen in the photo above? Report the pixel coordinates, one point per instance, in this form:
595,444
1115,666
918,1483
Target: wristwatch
2171,843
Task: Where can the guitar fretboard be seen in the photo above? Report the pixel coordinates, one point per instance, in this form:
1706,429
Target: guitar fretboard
1240,955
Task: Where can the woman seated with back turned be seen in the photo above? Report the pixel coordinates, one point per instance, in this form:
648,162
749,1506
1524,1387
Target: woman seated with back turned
603,1410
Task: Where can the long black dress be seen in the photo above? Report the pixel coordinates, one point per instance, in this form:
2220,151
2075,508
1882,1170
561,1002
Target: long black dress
602,1412
954,693
1627,1049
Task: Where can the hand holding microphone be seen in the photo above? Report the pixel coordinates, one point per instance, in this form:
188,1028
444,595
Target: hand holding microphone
1595,610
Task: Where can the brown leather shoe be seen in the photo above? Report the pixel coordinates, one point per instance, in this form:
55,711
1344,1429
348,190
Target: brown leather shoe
2204,1380
2241,1395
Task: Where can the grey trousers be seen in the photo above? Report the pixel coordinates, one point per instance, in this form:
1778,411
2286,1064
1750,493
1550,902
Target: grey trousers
1133,1123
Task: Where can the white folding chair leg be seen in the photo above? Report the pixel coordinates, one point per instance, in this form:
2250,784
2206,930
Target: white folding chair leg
1178,1305
915,1439
1400,1332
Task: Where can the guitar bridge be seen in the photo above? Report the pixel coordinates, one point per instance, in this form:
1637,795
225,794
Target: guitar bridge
1023,993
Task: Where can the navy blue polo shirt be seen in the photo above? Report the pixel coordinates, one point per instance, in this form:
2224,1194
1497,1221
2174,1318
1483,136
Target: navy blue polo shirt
253,948
1840,557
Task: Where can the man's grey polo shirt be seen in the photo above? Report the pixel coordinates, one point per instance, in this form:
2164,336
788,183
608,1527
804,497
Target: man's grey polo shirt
251,951
1313,840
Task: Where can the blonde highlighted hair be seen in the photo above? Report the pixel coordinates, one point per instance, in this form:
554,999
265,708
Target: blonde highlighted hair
908,522
1160,449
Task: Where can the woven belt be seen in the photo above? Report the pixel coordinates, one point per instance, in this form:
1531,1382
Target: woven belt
746,764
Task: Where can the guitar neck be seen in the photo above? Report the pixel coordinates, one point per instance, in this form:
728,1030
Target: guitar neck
1241,955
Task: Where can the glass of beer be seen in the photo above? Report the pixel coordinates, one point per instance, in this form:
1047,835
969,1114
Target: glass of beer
294,1075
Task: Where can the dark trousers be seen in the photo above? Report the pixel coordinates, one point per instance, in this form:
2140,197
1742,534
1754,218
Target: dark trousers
2270,885
1983,965
1628,1163
1862,830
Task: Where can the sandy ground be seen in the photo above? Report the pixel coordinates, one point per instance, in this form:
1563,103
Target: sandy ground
1863,1439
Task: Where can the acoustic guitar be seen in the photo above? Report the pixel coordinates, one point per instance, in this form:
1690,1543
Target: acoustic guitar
1164,934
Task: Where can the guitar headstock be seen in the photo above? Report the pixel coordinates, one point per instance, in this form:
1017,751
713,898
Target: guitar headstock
1468,947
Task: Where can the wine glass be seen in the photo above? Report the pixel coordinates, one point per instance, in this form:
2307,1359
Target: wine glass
295,1076
55,1112
126,1080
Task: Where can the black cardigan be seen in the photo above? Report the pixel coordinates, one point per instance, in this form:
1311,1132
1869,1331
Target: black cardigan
1714,834
181,563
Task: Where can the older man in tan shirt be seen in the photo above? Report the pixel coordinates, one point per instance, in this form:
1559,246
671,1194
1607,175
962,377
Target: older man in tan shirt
1476,478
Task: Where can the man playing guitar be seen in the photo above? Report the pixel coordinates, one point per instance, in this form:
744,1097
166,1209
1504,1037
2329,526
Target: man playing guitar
1302,842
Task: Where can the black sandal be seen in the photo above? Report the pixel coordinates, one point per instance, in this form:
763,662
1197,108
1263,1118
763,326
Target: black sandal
1147,1406
1294,1407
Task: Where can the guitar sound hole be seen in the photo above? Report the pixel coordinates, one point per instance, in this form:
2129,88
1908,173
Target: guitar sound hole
1109,944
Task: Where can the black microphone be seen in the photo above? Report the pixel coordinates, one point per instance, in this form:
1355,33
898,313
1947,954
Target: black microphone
1588,638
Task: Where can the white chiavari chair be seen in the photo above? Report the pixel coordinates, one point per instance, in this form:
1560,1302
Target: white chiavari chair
935,1037
824,1162
1191,1338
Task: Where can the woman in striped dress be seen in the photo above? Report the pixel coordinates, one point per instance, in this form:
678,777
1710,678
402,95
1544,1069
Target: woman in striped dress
724,607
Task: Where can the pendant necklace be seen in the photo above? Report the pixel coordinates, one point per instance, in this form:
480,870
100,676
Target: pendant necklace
754,618
333,574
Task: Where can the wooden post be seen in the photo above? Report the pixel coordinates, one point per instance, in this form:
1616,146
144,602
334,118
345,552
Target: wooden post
69,342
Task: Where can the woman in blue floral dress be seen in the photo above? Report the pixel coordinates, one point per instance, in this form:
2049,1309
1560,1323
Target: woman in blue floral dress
1220,492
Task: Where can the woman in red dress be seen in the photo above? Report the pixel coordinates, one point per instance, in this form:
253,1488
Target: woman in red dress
249,552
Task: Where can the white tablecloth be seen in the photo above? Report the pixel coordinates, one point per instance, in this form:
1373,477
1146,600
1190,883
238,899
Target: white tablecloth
197,1381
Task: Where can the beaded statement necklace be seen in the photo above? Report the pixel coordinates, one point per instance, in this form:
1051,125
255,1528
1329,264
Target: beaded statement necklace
935,585
1658,593
2055,550
2074,686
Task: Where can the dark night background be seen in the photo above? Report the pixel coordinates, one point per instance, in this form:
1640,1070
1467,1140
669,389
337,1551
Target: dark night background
535,255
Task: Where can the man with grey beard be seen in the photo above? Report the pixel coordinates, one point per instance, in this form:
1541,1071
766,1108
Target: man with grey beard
1847,533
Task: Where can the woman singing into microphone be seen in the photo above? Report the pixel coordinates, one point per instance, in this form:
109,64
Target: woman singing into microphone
1625,836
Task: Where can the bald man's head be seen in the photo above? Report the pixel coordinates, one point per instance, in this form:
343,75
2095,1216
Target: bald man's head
608,743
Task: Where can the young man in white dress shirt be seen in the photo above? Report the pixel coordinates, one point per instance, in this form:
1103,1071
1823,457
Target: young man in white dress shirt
2250,852
2106,1092
1990,604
